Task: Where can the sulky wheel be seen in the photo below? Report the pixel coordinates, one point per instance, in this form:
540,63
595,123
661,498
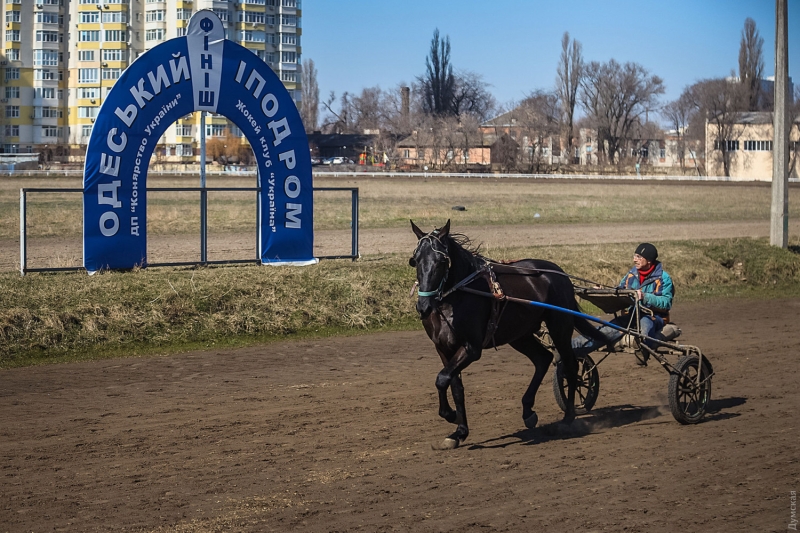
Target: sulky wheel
687,401
588,385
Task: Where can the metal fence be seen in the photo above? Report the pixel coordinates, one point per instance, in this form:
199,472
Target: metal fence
23,225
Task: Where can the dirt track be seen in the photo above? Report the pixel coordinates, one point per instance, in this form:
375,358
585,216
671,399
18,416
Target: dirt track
62,252
336,434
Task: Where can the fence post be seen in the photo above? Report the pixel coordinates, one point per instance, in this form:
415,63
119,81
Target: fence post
23,243
354,223
203,192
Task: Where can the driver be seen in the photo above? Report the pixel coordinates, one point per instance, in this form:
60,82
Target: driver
654,290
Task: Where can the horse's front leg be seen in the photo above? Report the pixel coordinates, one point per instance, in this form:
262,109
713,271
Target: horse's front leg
450,377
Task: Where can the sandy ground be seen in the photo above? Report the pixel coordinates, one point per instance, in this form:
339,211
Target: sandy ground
66,252
336,435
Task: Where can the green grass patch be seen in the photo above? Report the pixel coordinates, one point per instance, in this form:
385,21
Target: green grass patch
64,317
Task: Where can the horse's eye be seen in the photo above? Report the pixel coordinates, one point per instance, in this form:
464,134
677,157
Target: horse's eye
412,262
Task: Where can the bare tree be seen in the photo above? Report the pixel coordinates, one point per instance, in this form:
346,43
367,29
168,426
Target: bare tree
751,63
568,79
341,120
471,96
615,97
678,113
537,120
309,106
794,125
720,102
438,82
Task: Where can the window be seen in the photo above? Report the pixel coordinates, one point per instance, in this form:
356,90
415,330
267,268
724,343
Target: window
45,92
288,76
289,20
12,92
406,153
47,75
289,3
87,112
270,19
726,146
215,130
89,35
12,35
87,75
45,36
86,130
662,153
184,130
89,17
12,73
111,73
85,55
12,130
45,58
11,148
288,38
115,16
116,35
288,57
47,18
251,16
115,55
154,35
180,32
269,57
155,16
12,16
12,54
758,146
12,111
252,36
223,14
184,14
46,112
257,2
88,92
49,131
184,149
50,2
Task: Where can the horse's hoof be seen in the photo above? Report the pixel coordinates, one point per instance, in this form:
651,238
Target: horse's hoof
531,421
446,444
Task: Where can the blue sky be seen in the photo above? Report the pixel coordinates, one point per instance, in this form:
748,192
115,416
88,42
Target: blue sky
515,44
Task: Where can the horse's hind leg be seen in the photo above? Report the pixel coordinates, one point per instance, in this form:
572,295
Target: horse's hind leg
541,359
561,333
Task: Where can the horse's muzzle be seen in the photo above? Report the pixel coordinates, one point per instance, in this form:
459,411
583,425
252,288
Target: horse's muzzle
425,306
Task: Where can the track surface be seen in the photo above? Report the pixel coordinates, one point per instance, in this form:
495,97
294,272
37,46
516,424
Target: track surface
336,435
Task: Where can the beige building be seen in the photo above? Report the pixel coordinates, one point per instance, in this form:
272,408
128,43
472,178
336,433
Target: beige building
750,146
61,57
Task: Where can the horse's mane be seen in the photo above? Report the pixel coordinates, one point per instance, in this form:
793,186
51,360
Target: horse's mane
466,244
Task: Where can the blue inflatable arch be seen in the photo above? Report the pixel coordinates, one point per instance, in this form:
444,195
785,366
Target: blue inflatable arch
201,71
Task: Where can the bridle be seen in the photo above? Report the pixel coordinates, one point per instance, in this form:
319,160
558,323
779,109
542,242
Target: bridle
433,237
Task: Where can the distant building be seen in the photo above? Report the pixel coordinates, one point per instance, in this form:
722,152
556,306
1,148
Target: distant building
750,146
60,58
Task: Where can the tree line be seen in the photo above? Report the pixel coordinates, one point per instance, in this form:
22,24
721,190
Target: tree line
444,107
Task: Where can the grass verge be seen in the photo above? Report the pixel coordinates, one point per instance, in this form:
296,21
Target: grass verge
68,317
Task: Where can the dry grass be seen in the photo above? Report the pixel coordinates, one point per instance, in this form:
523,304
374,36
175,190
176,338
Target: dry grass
390,202
55,316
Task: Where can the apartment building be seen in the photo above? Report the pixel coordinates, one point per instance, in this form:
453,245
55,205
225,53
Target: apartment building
60,58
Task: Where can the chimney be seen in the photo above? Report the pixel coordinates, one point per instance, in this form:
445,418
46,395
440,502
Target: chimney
404,101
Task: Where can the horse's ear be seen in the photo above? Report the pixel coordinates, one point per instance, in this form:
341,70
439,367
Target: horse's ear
445,229
418,232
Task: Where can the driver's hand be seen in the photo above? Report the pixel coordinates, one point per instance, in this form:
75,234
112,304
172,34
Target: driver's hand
639,295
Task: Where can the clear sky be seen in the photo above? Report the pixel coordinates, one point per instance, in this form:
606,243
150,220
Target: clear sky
515,44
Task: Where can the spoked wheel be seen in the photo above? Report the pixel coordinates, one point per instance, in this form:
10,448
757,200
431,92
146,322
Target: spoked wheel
588,385
687,400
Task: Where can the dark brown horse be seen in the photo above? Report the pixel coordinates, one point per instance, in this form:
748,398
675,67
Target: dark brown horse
462,323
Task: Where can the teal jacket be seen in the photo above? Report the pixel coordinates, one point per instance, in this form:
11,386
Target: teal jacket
657,290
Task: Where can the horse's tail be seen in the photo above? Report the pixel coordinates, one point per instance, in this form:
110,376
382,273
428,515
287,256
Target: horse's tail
586,329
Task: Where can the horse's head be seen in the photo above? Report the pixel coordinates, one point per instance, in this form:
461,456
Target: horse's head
432,261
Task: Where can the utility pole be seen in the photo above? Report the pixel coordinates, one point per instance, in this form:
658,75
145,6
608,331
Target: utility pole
779,214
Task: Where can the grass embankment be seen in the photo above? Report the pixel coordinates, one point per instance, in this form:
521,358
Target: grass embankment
60,317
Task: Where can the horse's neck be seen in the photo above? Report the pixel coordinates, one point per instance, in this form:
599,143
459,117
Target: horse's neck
463,263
